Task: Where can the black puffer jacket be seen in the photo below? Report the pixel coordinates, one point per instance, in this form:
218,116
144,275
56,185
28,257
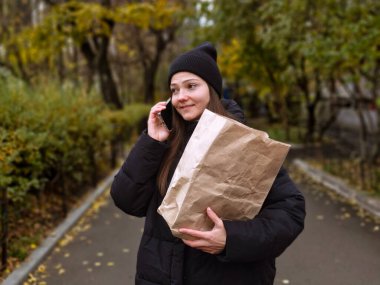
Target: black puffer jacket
251,247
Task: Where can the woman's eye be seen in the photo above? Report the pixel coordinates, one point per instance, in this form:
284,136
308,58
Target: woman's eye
192,86
173,90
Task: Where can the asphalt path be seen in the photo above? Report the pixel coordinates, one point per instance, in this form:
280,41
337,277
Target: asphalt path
336,247
339,245
100,250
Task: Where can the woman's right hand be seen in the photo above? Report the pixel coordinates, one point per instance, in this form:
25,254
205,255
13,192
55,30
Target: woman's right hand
156,129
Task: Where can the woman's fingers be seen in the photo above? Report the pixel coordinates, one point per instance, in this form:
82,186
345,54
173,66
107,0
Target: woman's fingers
157,109
213,241
156,129
193,233
214,217
203,245
195,243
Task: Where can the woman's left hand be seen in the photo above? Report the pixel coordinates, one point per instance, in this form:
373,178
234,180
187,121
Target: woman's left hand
213,241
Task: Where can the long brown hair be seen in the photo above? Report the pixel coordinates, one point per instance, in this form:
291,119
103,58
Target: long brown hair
177,135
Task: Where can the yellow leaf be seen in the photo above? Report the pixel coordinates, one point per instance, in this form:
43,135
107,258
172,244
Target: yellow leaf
31,278
41,268
320,217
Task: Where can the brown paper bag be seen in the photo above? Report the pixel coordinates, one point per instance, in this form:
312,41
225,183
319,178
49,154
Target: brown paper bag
226,166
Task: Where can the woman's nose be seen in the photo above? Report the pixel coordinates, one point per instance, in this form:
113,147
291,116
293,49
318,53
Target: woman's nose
182,95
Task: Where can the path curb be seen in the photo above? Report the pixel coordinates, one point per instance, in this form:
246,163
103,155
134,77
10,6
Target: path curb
371,205
37,256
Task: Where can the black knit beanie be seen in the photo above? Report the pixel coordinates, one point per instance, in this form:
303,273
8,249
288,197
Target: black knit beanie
202,62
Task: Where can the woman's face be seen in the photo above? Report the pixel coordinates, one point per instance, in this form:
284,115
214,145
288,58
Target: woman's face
190,95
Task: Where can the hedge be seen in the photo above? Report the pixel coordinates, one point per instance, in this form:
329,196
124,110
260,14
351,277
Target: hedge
57,131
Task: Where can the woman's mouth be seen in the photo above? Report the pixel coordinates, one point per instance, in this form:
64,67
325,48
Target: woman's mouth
186,107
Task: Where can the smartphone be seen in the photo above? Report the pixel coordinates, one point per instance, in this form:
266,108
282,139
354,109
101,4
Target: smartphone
166,115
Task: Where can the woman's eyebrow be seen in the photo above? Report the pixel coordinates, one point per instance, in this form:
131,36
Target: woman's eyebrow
185,81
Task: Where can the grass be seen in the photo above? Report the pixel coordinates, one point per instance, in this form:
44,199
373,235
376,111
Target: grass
277,131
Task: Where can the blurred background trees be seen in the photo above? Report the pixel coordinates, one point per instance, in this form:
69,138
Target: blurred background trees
98,42
298,62
314,64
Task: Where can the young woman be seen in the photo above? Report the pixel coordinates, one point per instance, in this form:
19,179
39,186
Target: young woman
233,252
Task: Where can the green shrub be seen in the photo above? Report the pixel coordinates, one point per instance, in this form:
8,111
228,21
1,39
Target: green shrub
55,131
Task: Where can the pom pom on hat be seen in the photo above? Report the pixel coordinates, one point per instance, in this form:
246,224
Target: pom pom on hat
202,62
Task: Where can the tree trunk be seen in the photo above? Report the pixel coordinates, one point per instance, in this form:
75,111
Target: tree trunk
376,99
310,122
317,98
333,109
282,100
323,128
4,228
97,61
61,67
363,133
95,50
303,85
89,55
149,85
151,60
75,59
362,145
107,83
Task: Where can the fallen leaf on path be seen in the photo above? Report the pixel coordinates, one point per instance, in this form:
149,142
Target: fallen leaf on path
67,238
41,268
345,216
31,278
320,217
